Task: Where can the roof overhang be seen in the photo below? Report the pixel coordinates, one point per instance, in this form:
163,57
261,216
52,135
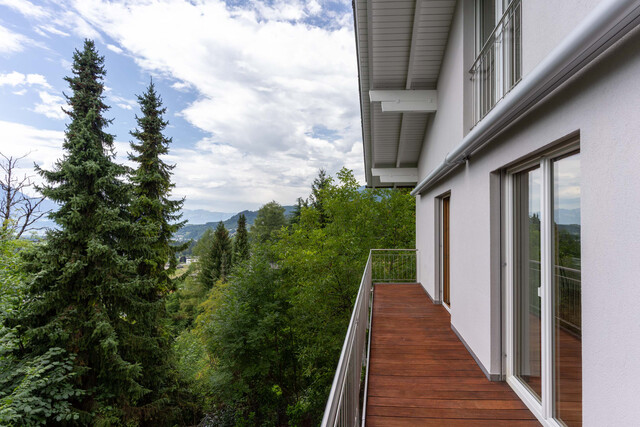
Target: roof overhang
400,45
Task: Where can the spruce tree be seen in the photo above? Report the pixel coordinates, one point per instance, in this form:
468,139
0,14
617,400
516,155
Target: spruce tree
241,241
151,205
297,211
83,290
156,214
317,196
216,263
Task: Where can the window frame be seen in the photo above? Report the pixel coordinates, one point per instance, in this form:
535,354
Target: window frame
543,409
500,76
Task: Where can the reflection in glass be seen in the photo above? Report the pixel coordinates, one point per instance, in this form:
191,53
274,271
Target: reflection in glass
567,291
527,299
487,19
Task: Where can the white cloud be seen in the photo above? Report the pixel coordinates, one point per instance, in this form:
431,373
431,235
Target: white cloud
42,147
43,29
51,106
114,48
124,103
11,42
265,79
181,86
266,75
18,79
26,8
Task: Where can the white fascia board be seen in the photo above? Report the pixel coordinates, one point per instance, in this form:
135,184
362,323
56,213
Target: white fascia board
391,175
419,101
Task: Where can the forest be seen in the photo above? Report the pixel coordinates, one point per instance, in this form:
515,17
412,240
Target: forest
98,327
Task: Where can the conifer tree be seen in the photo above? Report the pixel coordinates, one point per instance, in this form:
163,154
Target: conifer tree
317,196
297,210
151,205
216,263
241,241
83,290
156,214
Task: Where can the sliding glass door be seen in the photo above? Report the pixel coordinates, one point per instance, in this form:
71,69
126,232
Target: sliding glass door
527,322
544,328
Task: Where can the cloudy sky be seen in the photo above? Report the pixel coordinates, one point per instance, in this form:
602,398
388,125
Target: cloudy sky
260,94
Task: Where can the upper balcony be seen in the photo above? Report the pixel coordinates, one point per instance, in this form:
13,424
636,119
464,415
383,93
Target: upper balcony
402,365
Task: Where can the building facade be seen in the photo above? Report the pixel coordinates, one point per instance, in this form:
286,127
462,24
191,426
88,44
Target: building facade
517,124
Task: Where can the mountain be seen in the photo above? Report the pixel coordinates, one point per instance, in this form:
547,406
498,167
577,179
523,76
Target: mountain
195,231
202,216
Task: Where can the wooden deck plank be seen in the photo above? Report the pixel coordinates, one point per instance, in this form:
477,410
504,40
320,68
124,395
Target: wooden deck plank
420,374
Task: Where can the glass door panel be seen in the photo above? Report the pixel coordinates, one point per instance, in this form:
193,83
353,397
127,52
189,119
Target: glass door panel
567,322
527,309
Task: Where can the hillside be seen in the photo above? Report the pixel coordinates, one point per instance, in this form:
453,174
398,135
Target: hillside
195,231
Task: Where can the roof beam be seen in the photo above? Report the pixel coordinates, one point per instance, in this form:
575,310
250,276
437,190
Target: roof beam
414,38
415,101
396,175
412,55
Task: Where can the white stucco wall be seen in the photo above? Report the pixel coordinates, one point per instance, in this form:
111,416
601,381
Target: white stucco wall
545,24
603,104
447,130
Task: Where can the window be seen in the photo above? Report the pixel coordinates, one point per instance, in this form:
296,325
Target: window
544,326
497,67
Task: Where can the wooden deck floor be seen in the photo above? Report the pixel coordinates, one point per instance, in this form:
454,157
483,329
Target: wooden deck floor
422,375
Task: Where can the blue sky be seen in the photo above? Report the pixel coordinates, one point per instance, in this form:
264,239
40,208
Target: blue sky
260,94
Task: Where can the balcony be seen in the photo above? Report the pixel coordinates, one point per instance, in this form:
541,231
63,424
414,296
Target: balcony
402,365
498,66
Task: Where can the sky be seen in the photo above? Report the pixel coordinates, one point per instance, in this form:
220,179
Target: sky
260,94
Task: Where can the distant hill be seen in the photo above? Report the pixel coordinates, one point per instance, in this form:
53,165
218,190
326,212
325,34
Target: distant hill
567,216
202,216
195,231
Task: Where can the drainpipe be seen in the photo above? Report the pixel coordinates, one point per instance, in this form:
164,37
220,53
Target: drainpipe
606,24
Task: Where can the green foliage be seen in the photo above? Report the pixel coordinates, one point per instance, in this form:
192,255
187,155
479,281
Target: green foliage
264,348
155,214
297,210
37,390
83,291
317,196
151,206
203,244
183,306
216,262
241,242
33,389
270,219
244,328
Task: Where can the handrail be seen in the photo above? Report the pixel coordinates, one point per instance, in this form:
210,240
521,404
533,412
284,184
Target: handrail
394,265
345,402
497,27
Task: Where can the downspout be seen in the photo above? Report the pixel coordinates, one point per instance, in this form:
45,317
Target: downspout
605,25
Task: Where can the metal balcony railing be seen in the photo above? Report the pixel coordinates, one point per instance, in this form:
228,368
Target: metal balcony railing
394,265
347,401
568,295
498,66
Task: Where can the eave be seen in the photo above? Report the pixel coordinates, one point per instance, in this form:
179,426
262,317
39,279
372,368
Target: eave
400,47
